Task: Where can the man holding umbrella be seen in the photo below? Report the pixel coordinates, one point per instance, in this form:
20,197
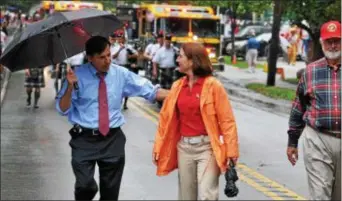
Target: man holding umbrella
92,94
94,109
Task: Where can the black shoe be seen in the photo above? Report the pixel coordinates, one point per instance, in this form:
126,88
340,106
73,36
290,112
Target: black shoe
28,103
125,107
36,107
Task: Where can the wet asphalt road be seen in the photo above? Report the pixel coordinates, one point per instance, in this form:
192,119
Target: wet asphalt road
35,155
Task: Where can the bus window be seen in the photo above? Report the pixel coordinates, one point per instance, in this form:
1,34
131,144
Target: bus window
175,26
206,27
161,25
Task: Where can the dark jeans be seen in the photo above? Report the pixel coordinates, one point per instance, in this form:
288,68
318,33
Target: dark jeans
108,152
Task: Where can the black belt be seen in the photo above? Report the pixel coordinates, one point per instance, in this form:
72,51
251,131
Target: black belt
336,134
331,133
78,130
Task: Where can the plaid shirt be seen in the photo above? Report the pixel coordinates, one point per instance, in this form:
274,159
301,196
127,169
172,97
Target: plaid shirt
318,101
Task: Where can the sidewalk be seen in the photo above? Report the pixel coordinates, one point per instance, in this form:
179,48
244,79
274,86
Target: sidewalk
289,70
7,73
235,80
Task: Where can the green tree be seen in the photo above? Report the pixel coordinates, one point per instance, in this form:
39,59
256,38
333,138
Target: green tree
315,13
23,5
242,6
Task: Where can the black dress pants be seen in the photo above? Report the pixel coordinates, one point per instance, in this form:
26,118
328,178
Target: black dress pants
108,152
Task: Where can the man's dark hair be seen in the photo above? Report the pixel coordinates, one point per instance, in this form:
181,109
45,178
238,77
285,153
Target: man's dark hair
96,45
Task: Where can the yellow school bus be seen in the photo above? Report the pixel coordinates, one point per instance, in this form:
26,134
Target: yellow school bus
185,23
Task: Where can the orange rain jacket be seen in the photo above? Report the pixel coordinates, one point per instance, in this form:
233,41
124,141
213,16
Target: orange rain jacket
217,116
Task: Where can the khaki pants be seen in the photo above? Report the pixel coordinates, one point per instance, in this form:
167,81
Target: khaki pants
292,54
322,158
198,172
251,57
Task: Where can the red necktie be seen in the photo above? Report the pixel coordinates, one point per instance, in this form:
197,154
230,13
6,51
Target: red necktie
103,106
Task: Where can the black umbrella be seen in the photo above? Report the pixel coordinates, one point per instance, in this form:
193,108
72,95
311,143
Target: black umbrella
56,38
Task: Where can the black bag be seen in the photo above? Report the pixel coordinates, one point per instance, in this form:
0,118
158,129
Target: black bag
34,73
231,176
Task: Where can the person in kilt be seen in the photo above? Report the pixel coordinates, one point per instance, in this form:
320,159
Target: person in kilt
34,79
164,65
150,52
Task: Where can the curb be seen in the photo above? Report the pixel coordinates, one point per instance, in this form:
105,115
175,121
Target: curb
249,97
7,74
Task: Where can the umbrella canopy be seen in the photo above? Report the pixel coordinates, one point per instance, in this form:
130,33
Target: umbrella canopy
56,38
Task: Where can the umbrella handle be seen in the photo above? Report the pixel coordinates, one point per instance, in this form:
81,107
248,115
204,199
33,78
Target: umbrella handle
76,86
66,56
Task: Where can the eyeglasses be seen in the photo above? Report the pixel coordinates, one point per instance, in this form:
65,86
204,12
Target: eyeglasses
335,41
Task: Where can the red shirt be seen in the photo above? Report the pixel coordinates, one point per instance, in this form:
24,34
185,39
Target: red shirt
188,105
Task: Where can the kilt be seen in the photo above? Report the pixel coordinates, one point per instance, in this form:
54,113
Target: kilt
166,76
35,82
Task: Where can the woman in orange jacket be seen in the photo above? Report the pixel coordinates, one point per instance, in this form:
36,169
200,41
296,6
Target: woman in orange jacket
197,131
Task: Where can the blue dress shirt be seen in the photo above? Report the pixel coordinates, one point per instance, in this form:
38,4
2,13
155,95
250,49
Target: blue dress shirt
120,82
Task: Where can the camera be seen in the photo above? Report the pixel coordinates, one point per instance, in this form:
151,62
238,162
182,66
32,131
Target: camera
231,177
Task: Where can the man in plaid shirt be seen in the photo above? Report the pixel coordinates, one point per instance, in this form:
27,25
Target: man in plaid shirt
316,112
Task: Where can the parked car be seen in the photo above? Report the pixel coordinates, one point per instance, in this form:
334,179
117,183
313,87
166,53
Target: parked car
264,40
244,34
